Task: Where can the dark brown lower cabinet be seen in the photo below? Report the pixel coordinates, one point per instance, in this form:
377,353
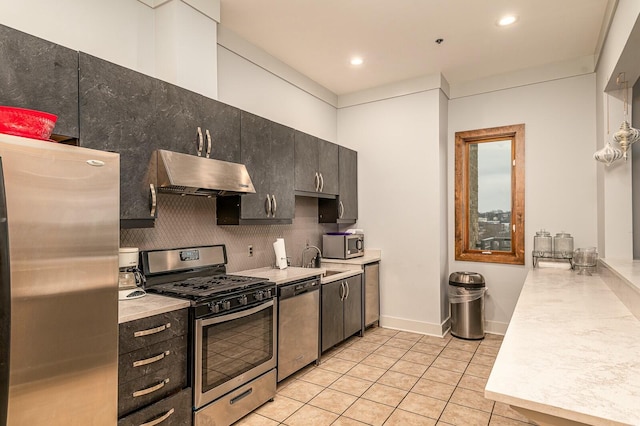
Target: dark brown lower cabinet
152,371
174,410
341,310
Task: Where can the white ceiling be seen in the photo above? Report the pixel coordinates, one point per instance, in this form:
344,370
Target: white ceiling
396,38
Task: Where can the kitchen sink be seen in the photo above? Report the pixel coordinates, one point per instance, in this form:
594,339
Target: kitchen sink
330,272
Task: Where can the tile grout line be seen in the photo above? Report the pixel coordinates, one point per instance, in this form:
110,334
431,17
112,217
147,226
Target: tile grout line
456,386
369,352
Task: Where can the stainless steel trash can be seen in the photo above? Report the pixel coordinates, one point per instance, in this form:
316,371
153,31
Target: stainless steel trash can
466,296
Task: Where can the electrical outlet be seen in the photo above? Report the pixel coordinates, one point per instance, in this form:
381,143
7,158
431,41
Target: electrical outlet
250,251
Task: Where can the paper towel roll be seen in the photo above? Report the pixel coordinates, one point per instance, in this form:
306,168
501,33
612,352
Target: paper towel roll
281,253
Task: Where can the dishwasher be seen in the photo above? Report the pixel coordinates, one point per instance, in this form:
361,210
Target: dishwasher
298,325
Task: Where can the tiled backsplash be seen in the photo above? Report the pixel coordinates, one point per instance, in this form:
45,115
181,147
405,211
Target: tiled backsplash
191,221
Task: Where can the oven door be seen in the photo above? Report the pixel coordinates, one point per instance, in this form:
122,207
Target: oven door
354,246
232,349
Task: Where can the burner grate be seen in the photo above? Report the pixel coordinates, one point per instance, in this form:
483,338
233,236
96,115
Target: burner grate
196,288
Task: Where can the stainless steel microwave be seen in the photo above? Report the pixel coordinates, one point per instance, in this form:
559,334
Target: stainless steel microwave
342,246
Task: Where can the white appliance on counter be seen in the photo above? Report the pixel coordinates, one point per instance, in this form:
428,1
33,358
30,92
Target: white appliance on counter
59,238
130,278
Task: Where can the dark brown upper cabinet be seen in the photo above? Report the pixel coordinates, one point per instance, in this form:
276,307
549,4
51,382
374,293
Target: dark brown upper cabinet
316,166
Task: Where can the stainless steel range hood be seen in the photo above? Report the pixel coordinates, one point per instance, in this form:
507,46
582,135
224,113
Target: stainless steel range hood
191,175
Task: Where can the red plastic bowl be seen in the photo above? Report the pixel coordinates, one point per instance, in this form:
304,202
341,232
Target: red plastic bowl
27,123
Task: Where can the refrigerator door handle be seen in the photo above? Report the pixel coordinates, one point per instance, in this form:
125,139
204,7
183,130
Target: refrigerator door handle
5,303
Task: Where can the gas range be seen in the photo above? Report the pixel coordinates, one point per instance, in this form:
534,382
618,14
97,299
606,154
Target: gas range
232,329
199,274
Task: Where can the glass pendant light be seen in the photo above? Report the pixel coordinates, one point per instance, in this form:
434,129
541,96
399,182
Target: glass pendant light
627,135
608,154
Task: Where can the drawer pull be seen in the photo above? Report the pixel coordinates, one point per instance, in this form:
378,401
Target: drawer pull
152,330
160,419
151,360
152,389
242,395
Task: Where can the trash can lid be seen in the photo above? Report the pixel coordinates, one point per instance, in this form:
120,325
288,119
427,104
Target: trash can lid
467,279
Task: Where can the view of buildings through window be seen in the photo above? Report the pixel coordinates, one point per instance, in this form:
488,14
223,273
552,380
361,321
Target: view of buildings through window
490,196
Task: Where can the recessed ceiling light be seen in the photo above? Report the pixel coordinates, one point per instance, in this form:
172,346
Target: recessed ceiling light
507,20
356,61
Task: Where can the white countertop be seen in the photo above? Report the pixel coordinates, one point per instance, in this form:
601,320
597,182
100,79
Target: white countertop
370,256
294,273
146,306
281,276
572,350
628,269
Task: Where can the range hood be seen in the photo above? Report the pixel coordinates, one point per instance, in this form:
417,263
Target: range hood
191,175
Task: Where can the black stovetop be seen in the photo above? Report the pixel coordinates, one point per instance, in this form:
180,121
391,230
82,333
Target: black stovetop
206,287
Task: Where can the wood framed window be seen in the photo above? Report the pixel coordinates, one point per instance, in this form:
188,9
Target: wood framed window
489,195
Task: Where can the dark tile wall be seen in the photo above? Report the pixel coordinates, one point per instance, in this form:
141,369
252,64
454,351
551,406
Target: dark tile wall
187,221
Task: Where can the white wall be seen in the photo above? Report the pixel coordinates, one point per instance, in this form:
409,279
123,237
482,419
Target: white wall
615,233
128,33
560,173
120,31
400,190
186,50
247,86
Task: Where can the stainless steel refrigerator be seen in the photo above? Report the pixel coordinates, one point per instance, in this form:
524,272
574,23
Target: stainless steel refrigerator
59,238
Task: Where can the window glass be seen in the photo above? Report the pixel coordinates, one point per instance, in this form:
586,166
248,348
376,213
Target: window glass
490,195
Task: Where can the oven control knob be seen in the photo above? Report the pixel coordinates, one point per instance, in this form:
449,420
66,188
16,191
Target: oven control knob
226,305
215,307
259,295
268,293
242,299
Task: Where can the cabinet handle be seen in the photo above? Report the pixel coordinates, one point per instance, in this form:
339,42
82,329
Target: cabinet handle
346,284
242,395
321,182
147,391
274,206
267,205
208,142
200,142
151,360
342,291
160,419
316,180
340,210
153,200
154,330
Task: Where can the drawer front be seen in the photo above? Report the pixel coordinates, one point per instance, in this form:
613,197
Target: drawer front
238,403
148,331
170,355
148,389
175,410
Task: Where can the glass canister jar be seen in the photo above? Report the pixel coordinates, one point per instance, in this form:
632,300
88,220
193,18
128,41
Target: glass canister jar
542,244
563,245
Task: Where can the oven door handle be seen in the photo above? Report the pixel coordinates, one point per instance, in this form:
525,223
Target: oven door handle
229,317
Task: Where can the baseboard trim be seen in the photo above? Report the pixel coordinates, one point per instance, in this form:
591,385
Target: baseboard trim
403,324
495,327
438,330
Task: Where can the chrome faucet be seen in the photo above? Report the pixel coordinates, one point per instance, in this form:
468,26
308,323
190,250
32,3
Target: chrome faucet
315,261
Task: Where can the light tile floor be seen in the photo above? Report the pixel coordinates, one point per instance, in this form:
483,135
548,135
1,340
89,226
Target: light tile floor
392,378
